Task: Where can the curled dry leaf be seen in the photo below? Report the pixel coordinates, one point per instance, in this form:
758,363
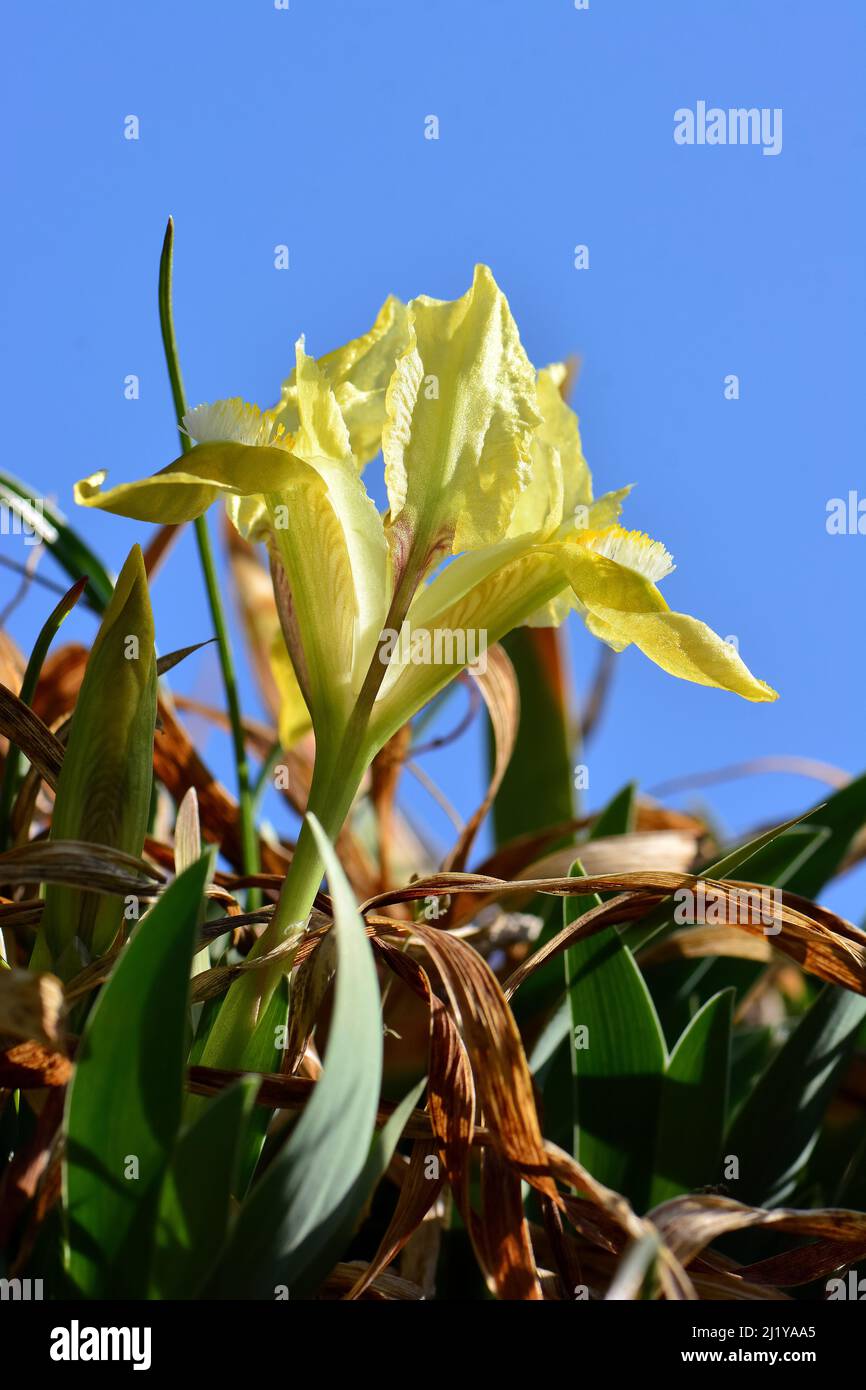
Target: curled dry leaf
310,983
803,1265
669,850
836,954
694,943
417,1195
617,854
386,1287
513,858
712,1277
450,1084
80,864
26,730
501,1233
824,944
23,914
451,1105
689,1224
498,686
384,780
12,667
555,1246
495,1051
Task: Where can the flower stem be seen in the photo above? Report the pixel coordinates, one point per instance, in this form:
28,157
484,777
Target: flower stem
248,997
249,834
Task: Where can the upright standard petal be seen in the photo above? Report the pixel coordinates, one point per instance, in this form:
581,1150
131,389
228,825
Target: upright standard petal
358,375
461,408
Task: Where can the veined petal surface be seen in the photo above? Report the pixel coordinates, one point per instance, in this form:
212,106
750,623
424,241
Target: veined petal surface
461,408
358,374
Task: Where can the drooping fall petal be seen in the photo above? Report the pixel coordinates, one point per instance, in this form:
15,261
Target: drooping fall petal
187,487
622,605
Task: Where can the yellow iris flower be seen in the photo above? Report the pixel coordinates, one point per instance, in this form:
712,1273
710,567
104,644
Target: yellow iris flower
483,463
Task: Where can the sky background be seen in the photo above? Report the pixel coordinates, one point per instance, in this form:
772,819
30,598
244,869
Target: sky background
305,126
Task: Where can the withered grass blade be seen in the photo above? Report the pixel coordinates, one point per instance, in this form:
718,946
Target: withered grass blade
495,1049
498,686
310,981
695,943
689,1224
26,730
80,864
501,1235
417,1195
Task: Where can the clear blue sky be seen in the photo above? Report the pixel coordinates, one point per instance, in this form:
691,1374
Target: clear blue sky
260,126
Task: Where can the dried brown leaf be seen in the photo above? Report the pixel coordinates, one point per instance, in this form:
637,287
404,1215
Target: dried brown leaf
495,1050
26,730
417,1195
692,943
689,1224
500,1233
498,686
100,868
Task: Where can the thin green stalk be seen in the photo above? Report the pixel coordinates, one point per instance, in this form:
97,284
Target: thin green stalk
12,770
331,795
249,834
